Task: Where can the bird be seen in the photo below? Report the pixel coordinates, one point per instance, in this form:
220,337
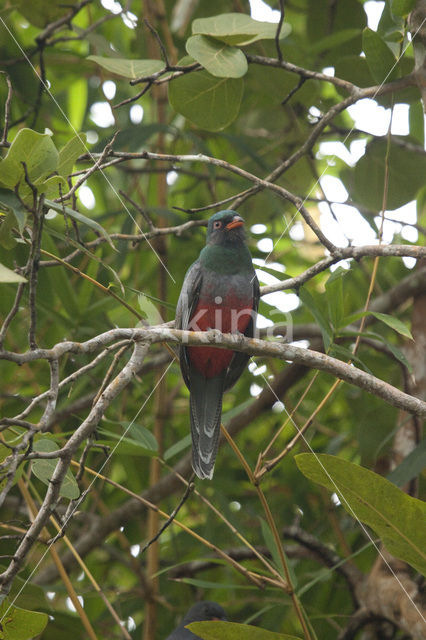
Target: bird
199,612
220,291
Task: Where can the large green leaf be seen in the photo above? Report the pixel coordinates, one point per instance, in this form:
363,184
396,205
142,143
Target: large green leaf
210,103
237,29
406,176
380,59
43,470
394,515
36,150
219,630
216,57
20,624
132,69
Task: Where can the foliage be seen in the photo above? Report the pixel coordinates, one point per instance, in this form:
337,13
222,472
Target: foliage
204,108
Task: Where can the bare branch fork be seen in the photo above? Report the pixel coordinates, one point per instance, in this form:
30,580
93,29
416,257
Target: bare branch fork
79,436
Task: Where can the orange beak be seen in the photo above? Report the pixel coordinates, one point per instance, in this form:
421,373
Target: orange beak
236,222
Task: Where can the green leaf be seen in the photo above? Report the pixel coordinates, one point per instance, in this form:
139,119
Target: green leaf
380,59
210,103
77,103
270,543
40,13
36,150
376,336
177,447
79,217
10,202
334,291
237,29
394,515
7,222
53,187
399,355
393,323
402,7
333,40
143,444
7,275
417,123
132,69
149,310
413,465
142,436
355,70
69,154
20,624
26,594
308,300
219,630
61,284
217,58
344,354
406,176
43,470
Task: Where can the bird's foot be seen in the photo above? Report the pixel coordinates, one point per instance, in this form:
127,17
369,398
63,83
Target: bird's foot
213,334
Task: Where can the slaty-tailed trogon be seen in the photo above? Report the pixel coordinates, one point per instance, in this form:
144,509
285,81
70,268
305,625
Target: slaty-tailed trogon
198,613
220,291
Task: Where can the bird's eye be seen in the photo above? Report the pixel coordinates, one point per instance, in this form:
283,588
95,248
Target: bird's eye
217,224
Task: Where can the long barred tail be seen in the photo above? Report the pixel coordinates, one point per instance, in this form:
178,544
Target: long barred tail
205,412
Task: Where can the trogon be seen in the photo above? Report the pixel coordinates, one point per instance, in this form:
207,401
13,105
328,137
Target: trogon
199,612
220,291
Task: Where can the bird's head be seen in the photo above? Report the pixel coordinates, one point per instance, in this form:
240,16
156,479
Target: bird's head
204,610
225,227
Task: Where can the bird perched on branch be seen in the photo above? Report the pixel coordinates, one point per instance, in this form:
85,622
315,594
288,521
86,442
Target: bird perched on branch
220,291
198,613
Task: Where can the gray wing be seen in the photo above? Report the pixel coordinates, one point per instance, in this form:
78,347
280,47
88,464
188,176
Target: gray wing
240,360
188,300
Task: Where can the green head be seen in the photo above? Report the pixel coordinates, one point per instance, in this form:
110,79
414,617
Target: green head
225,227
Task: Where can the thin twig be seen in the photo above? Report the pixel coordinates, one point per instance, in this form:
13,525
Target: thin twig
295,89
190,487
278,32
89,172
160,43
3,141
